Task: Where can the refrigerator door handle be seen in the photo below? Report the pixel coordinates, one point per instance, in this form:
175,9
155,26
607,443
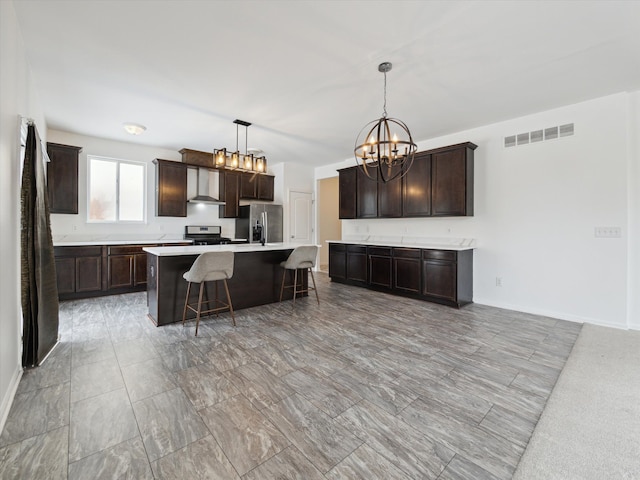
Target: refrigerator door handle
266,227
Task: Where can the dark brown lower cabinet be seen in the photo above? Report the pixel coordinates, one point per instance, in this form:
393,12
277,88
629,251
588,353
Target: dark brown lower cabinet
140,269
98,270
120,271
78,271
357,263
448,276
380,267
338,261
127,266
66,274
348,263
441,276
406,270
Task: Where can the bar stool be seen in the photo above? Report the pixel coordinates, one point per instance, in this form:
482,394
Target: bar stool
209,267
302,257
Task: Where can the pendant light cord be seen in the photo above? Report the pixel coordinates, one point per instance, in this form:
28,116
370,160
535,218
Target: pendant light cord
384,108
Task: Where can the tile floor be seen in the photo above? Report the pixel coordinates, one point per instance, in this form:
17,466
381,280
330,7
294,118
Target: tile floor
364,386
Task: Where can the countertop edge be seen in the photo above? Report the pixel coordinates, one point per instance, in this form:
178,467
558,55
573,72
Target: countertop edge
198,249
115,242
424,246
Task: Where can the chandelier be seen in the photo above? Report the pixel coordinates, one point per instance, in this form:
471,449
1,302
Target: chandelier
234,160
381,156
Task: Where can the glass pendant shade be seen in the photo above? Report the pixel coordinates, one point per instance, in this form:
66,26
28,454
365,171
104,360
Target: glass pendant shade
220,157
260,165
247,162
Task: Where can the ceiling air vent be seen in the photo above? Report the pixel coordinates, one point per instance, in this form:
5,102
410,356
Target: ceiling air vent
537,136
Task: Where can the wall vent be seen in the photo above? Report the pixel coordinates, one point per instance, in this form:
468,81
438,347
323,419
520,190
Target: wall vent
536,136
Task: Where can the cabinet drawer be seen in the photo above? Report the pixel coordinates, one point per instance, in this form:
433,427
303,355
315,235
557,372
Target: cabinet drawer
127,249
439,255
94,251
357,249
380,251
337,247
406,253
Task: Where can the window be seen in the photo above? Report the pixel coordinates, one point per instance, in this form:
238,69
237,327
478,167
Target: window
117,190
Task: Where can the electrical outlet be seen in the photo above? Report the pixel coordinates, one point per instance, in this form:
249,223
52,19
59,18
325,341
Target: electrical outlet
607,232
498,281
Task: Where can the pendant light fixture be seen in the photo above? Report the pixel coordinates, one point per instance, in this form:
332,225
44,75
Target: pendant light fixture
237,161
384,148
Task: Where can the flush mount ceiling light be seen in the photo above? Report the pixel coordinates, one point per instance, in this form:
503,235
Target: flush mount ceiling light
235,161
133,128
381,156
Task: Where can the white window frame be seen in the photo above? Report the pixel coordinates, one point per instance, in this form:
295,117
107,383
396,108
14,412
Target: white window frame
117,161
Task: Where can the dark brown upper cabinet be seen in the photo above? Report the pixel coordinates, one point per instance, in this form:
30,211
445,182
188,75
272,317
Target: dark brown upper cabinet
366,195
230,194
249,186
347,197
390,195
452,181
265,187
62,178
171,188
416,189
439,183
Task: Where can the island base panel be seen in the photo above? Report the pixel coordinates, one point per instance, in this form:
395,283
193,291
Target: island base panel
257,277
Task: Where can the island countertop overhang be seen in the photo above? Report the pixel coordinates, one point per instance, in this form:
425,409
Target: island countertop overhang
198,249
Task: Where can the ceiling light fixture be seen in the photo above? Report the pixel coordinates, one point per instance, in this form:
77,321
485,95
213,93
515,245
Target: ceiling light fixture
247,162
380,156
133,128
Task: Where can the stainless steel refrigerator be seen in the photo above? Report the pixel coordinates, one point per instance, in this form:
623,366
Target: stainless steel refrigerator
260,221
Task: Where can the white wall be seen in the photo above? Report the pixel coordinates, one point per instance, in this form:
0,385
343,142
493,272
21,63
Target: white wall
156,227
17,98
633,289
291,177
536,207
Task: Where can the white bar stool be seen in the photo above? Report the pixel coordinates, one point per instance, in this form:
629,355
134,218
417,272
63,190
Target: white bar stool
302,257
209,267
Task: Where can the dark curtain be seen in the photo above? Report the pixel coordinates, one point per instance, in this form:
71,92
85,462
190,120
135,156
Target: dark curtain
39,289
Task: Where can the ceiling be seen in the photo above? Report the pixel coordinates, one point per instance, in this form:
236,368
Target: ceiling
304,73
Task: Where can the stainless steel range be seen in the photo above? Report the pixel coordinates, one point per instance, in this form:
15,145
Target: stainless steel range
205,235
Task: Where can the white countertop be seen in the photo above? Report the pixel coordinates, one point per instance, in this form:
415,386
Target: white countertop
101,241
198,249
412,243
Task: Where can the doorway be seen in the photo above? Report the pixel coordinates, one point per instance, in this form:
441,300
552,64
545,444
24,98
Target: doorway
329,225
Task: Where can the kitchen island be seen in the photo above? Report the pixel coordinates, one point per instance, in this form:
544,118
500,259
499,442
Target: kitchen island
256,280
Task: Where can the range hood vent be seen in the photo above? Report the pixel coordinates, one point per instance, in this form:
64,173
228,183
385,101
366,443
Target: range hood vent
202,193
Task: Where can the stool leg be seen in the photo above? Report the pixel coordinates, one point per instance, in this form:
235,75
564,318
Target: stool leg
216,301
284,274
186,301
233,317
314,285
295,286
199,307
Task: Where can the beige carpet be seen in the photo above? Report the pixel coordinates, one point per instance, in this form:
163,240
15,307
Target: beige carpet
590,427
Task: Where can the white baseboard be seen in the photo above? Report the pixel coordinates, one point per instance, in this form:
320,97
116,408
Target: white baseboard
551,314
10,394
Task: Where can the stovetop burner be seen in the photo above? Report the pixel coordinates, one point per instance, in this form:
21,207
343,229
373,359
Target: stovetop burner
205,235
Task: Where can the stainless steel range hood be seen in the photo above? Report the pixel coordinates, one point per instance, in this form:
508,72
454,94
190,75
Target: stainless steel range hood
208,181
